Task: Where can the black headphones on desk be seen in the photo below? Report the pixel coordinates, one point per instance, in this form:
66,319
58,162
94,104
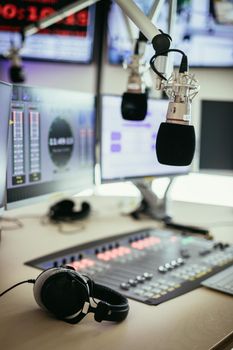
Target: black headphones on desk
64,211
70,296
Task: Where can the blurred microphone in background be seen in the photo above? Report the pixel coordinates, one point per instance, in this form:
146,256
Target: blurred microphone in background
16,70
134,100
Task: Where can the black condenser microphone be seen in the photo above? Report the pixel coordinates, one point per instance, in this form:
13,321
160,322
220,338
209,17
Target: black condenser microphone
175,144
134,100
134,106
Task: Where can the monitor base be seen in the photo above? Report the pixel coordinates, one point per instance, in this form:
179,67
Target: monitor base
157,208
151,205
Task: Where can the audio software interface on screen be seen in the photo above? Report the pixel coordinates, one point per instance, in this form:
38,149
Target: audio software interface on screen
51,146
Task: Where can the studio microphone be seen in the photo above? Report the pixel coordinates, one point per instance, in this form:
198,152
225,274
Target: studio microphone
134,100
16,69
175,143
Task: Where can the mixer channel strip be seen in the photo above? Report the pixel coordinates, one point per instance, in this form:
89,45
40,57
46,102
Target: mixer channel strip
150,265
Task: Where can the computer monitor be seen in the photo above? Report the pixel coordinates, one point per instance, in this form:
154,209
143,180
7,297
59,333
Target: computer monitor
203,30
128,147
216,136
51,143
69,40
5,100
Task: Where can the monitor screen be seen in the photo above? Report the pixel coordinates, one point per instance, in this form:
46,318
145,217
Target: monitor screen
5,100
69,40
128,147
216,136
51,142
202,30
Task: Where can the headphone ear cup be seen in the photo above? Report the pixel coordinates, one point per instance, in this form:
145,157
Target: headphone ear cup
61,210
68,295
39,285
83,213
61,291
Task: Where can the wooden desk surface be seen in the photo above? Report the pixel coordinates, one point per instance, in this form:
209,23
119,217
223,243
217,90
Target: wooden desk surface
196,320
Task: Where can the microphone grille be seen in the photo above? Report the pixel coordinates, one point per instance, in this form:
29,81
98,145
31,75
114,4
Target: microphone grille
175,144
134,106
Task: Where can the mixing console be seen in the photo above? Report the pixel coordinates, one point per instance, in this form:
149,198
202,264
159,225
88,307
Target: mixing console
149,265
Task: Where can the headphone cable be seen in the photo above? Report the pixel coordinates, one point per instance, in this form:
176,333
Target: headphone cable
16,285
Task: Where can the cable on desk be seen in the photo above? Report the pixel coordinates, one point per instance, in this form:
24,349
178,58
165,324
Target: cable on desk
44,220
15,221
76,227
16,285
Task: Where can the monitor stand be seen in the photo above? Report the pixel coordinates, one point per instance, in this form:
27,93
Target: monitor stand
151,205
157,208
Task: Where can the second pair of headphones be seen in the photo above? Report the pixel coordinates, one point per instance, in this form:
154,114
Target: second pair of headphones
64,211
70,296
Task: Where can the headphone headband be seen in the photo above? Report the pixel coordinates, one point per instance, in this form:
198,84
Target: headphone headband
113,306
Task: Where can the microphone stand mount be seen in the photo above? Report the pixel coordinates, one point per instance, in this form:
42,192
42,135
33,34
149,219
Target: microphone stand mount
151,205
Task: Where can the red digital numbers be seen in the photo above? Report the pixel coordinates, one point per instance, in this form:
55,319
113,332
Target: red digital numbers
28,14
8,11
32,13
82,18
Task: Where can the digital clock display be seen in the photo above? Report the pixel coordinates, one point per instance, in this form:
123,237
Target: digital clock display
68,40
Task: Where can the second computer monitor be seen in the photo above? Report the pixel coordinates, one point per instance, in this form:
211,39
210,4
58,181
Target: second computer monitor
128,147
51,146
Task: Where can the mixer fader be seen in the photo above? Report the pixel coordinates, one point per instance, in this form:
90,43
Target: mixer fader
149,265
